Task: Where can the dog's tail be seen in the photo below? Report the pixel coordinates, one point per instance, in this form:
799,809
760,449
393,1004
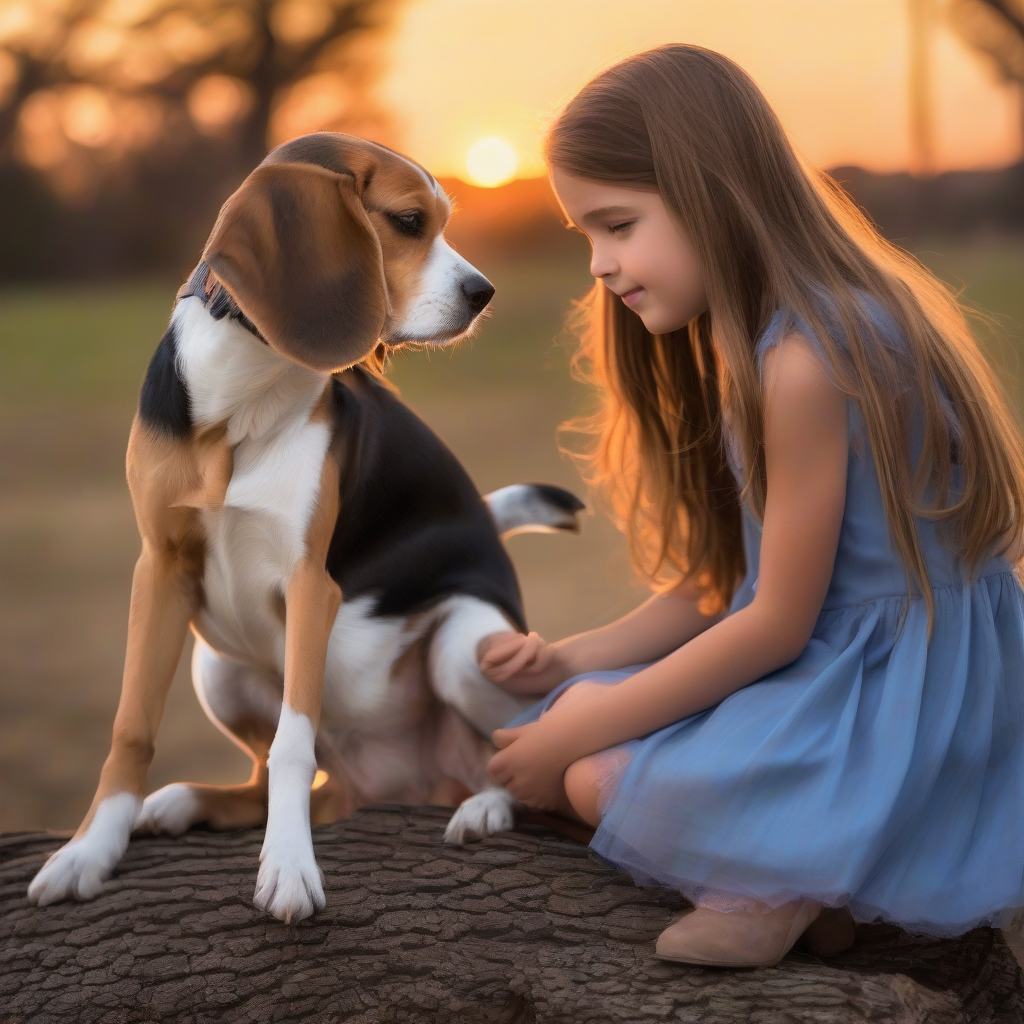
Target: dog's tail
534,508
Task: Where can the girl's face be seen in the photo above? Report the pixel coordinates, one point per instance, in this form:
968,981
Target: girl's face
639,250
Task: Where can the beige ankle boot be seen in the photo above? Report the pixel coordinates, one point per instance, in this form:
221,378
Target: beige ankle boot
740,938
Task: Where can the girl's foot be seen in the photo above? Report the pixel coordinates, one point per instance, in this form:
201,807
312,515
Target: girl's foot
739,938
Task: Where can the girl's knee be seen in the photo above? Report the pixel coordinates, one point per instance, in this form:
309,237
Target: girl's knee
580,781
566,697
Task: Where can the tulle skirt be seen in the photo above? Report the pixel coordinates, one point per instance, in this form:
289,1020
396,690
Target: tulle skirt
880,772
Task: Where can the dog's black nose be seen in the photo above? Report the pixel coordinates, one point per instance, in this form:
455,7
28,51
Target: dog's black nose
478,291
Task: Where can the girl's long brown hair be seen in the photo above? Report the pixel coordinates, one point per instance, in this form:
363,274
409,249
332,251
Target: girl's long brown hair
770,233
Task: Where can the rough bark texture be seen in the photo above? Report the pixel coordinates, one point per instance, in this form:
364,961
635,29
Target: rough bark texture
524,927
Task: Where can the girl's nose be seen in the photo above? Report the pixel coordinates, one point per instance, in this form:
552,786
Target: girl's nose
602,264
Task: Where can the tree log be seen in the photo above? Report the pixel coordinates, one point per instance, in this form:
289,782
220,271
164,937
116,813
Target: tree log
524,927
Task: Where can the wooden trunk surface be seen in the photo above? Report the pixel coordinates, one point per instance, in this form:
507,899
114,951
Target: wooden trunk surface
524,927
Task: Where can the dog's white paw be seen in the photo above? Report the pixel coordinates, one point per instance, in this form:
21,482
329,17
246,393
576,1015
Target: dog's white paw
170,811
290,887
75,871
79,869
480,816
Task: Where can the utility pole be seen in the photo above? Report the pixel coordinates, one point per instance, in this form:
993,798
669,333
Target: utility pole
921,16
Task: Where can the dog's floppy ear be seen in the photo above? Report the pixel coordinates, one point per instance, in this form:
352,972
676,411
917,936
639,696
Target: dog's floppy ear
296,250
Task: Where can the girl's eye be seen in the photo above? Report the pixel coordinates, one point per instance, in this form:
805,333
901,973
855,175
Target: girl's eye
616,228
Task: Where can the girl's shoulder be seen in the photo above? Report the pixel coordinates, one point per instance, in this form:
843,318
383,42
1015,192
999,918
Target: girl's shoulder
875,323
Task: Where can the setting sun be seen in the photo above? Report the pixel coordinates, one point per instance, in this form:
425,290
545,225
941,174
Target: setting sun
491,162
845,101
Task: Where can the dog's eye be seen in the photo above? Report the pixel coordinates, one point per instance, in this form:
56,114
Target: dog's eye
408,223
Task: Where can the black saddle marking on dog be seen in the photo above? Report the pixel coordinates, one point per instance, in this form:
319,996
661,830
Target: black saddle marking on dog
413,528
164,401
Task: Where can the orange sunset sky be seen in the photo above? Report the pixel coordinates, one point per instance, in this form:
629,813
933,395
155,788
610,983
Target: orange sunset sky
835,70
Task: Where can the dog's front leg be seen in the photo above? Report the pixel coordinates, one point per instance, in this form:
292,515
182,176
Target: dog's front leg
290,884
162,603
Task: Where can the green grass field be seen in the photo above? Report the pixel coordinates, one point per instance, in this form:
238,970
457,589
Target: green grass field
71,360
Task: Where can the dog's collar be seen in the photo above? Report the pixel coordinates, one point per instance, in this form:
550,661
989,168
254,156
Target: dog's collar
215,298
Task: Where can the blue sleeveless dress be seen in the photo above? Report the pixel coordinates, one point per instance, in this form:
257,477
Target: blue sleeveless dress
878,771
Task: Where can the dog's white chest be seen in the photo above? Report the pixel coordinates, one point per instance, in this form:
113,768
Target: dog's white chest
275,481
255,539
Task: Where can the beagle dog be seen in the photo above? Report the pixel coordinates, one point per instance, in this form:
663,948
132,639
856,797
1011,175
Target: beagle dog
334,560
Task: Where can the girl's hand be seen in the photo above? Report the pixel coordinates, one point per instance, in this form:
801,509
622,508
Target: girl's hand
520,664
530,764
502,655
532,759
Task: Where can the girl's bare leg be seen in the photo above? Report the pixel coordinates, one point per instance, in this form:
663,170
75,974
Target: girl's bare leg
581,790
581,777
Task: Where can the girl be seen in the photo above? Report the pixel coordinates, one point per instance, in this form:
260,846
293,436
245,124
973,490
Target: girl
824,705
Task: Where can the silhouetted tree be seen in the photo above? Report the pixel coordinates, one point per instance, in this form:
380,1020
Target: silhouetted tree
142,110
922,150
996,28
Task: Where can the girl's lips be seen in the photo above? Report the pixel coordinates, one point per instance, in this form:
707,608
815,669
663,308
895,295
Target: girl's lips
630,297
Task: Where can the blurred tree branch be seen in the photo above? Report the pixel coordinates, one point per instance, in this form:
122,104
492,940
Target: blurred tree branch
996,29
96,95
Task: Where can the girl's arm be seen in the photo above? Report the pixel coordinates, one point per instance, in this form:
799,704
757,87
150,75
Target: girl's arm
806,451
526,665
661,624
